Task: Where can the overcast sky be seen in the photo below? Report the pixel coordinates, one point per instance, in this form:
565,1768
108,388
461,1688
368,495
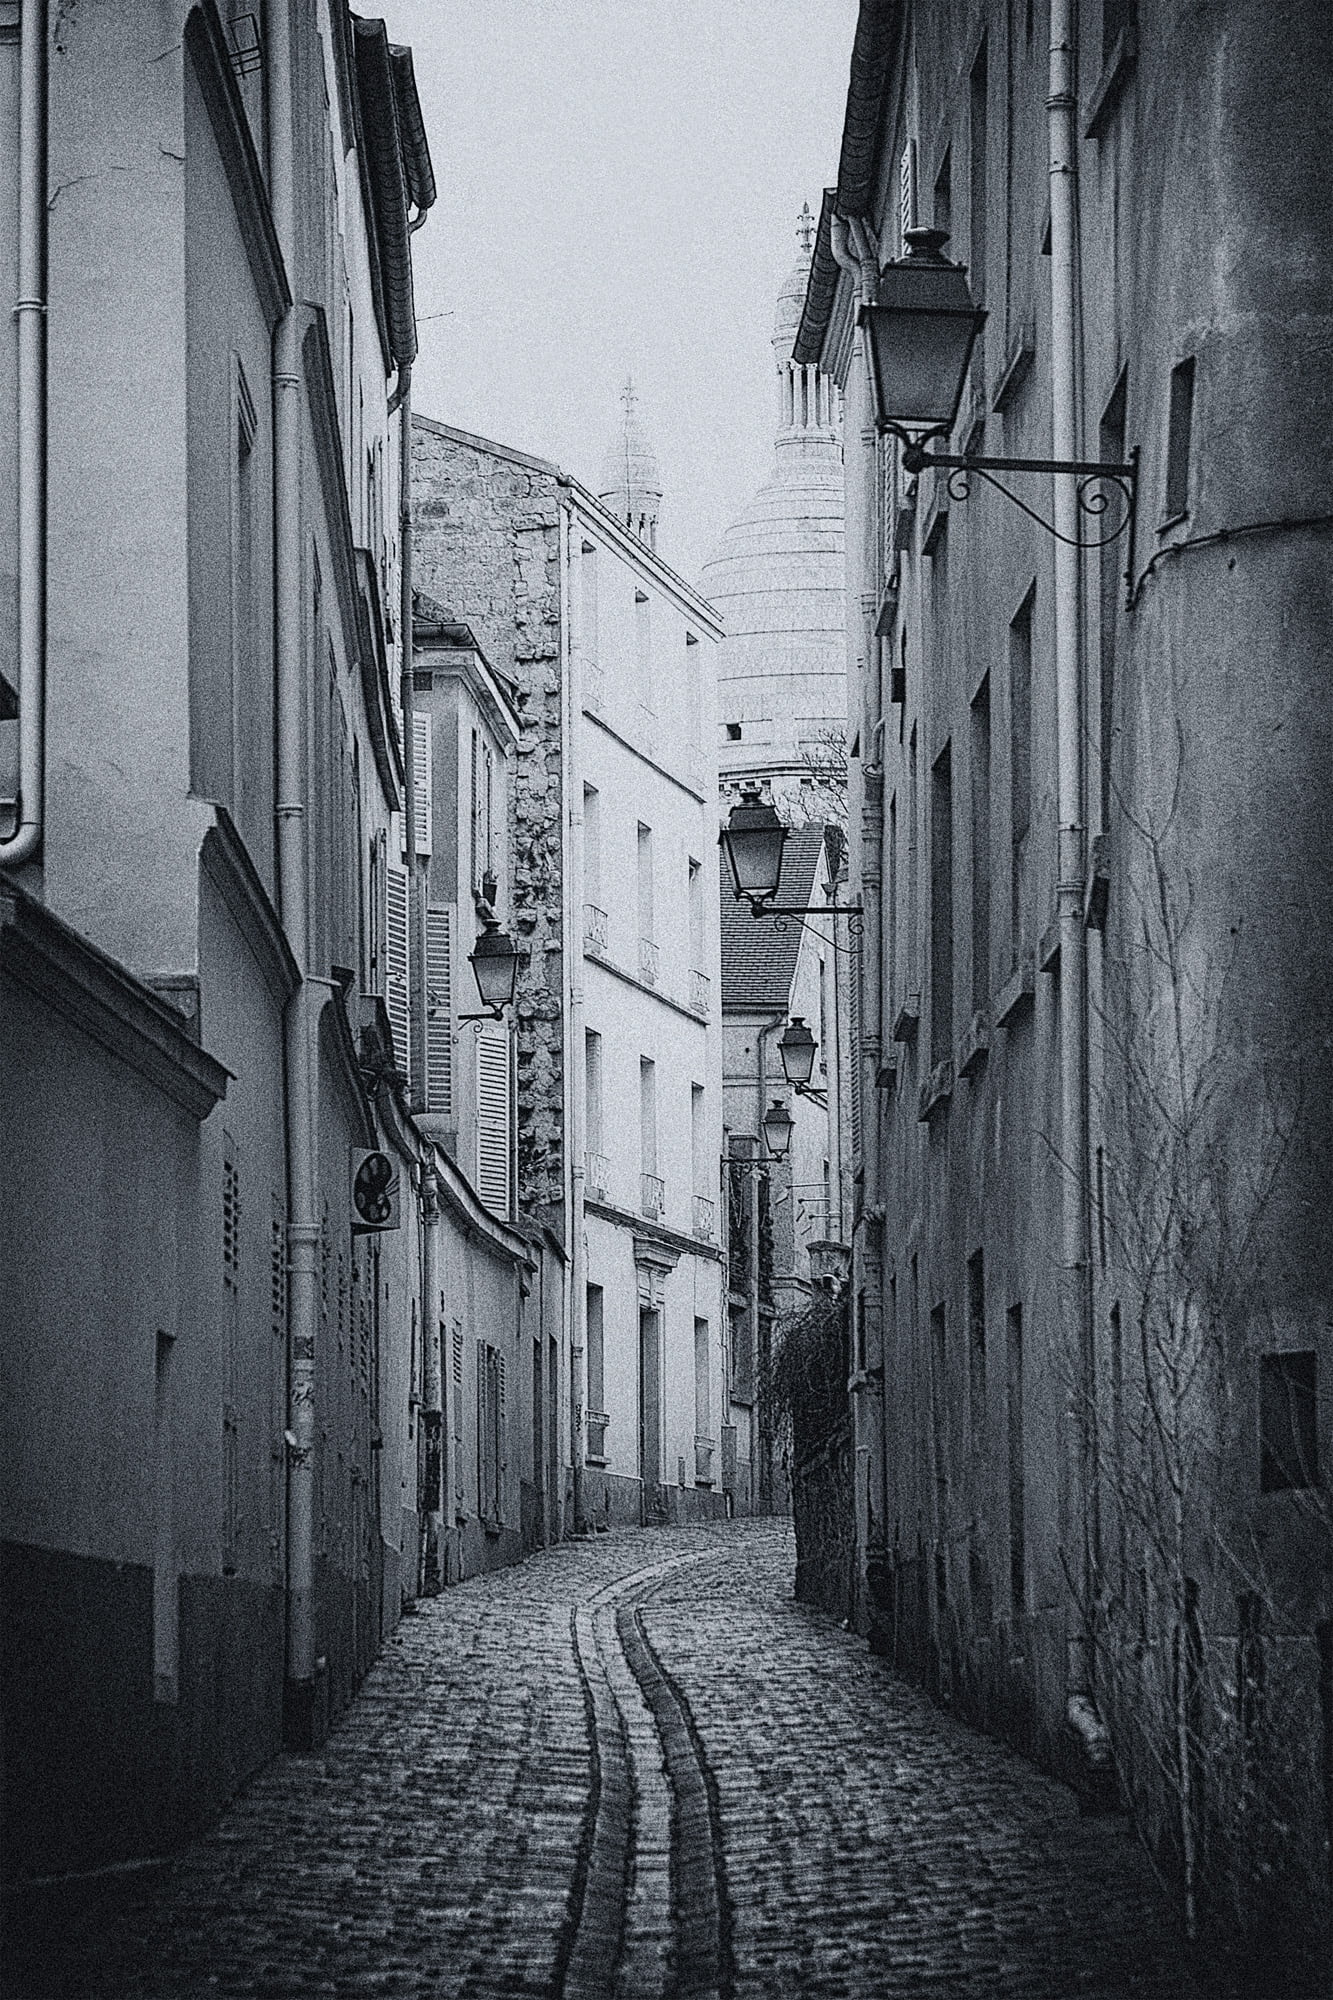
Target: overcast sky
619,182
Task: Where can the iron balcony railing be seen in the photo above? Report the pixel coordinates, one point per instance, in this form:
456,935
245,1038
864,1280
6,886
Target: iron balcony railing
594,927
650,960
652,1194
705,1217
700,985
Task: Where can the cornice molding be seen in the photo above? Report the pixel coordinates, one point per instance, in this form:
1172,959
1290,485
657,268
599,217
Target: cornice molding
591,715
651,992
206,46
655,1232
108,1003
225,859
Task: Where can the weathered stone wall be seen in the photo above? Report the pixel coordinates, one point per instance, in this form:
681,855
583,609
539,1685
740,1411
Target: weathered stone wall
488,546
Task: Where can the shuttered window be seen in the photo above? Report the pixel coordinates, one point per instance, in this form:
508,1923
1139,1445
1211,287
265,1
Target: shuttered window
494,1098
395,960
439,1013
492,1430
423,818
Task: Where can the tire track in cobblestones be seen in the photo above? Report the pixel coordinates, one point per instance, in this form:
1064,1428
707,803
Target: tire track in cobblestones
645,1919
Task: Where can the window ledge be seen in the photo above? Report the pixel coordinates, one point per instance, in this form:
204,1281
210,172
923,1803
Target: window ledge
1016,993
908,1018
1110,87
1048,951
975,1045
936,1092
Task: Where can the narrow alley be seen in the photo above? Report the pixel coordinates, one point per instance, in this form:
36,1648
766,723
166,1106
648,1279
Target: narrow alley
633,1767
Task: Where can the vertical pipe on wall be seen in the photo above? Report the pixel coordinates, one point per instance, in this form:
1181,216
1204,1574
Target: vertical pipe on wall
30,466
300,1718
432,1378
1076,1304
576,1284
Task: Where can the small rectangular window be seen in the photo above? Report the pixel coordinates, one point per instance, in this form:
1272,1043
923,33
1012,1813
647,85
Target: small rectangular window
1180,425
1288,1421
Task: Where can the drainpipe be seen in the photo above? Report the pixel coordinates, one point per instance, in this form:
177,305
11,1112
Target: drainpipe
1081,1712
432,1375
303,1235
856,251
576,1314
762,1501
30,326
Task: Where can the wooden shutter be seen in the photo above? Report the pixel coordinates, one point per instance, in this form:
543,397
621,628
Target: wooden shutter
423,817
395,960
493,1122
439,1013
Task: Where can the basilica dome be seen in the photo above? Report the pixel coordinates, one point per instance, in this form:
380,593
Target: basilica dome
776,579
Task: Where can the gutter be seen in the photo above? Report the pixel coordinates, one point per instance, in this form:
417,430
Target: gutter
30,337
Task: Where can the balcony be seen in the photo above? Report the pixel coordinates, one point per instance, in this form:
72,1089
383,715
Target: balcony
597,1175
699,990
594,929
652,1195
597,1423
649,961
705,1217
703,1461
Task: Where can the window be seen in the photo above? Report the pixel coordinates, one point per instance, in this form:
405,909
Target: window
592,845
231,1288
702,1400
492,1433
981,852
1014,1428
595,1358
395,961
978,92
647,928
733,732
703,1177
648,1115
1112,443
976,1352
693,692
941,906
1020,770
1180,425
913,858
695,892
643,647
944,193
592,1083
588,614
1288,1421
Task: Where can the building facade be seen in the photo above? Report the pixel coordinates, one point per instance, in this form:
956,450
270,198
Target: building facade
614,901
246,1290
1094,977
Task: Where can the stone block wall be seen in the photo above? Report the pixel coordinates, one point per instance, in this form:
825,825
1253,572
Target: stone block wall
487,545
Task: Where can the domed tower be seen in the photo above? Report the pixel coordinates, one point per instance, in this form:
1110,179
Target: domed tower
777,580
631,483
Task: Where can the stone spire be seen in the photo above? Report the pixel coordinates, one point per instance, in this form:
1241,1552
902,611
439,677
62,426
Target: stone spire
809,407
631,483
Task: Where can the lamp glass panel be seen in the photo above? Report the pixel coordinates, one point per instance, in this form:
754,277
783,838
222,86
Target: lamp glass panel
495,964
920,362
755,854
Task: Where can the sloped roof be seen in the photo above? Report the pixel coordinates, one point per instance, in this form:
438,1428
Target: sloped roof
759,960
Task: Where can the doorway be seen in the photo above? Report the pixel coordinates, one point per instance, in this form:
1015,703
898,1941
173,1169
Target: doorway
650,1407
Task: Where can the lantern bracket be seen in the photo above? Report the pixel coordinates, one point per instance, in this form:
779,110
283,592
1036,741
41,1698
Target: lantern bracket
1106,493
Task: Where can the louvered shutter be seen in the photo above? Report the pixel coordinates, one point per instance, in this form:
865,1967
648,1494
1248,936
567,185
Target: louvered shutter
395,960
493,1121
423,817
439,1013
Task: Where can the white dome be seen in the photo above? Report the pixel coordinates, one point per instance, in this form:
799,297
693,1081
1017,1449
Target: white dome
777,581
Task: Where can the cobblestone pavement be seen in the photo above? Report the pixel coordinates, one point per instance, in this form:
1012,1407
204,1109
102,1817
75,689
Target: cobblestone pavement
633,1769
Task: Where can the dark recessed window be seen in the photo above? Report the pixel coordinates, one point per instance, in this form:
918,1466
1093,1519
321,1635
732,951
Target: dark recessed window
733,732
1288,1427
1180,424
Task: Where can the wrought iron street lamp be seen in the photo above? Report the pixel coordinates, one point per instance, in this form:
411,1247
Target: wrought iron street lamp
778,1127
494,962
920,332
753,840
796,1049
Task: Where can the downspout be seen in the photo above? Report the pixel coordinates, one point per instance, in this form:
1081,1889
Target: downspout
1081,1712
30,333
761,1501
300,1717
856,251
432,1394
576,1313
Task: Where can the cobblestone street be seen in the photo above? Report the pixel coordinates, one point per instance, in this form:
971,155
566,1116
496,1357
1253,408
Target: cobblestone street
632,1768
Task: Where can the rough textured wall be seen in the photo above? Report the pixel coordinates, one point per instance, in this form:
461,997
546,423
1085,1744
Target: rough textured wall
488,546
